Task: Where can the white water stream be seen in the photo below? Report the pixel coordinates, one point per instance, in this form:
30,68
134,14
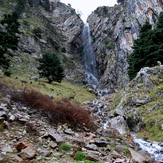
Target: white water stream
89,57
155,149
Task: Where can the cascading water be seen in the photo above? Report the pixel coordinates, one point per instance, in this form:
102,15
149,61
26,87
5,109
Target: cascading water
153,148
89,57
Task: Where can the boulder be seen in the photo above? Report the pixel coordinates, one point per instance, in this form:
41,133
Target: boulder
93,156
120,124
69,132
45,152
7,148
141,157
23,144
54,137
91,147
28,153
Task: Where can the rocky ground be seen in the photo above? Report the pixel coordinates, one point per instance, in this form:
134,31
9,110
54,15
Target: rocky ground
28,136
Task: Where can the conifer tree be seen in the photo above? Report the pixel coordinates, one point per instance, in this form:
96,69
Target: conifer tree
9,38
120,1
148,48
50,67
20,6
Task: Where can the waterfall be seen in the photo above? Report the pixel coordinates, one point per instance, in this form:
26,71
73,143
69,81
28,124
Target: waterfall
89,57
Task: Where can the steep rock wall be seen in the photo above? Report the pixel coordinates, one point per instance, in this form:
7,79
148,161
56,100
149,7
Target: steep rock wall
114,30
70,26
50,27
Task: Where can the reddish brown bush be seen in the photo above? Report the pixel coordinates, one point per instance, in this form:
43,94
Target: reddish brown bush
58,112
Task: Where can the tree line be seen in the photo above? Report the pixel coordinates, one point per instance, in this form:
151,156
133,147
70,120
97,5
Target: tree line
148,48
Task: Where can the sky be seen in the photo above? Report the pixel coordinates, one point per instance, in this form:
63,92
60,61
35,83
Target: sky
87,6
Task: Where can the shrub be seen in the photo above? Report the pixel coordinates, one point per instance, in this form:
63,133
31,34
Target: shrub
7,73
57,112
109,47
80,156
63,50
112,145
105,10
37,32
65,147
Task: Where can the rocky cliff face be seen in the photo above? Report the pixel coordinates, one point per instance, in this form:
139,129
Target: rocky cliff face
70,26
114,30
50,27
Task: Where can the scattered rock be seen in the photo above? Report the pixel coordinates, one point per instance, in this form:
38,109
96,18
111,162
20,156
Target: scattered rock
140,156
45,152
101,143
19,159
93,156
79,142
55,137
3,114
28,153
34,78
6,149
12,117
91,147
23,144
69,132
53,145
24,81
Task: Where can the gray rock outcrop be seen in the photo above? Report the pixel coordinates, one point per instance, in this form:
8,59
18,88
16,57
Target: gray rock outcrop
114,30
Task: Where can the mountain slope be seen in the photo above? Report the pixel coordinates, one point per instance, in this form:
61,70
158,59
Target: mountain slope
57,30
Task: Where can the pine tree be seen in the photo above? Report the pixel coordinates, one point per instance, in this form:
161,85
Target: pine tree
9,38
148,48
120,1
160,21
50,67
20,6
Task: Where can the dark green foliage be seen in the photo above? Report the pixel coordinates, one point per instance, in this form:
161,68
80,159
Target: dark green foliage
120,1
8,73
148,48
105,10
123,20
80,156
110,46
20,7
65,147
46,5
50,67
11,23
63,50
37,32
160,21
9,38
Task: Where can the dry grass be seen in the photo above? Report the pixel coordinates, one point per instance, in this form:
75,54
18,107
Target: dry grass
62,111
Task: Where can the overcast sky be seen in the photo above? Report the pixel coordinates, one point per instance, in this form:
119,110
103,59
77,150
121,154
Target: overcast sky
87,6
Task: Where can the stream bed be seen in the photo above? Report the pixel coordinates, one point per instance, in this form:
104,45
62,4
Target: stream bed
155,149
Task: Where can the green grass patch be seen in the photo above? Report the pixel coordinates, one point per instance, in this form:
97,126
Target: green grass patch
65,147
80,156
112,145
57,90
